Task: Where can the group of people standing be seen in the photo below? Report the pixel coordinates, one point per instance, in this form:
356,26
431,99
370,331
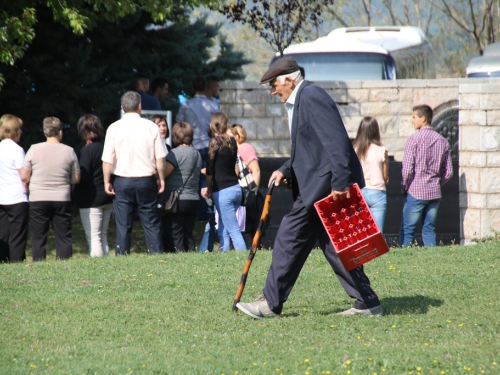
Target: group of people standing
120,171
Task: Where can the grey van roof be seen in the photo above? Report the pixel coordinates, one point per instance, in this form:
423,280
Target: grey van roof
485,65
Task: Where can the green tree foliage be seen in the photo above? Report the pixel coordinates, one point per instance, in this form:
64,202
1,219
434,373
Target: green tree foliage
18,17
66,75
277,21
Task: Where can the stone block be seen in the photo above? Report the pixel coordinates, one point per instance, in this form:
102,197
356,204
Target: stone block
339,95
276,110
492,202
489,180
254,110
251,96
493,116
469,139
280,128
406,95
389,126
490,138
435,97
284,148
405,83
472,200
400,108
240,85
350,84
351,124
406,128
357,95
379,84
250,125
266,148
472,159
491,85
442,82
227,96
383,95
488,101
264,128
232,110
470,223
352,109
472,117
490,221
469,101
395,145
469,180
492,159
374,108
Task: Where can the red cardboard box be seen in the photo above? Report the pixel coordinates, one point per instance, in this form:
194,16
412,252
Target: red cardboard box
349,223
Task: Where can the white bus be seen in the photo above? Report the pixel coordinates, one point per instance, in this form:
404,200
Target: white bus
365,53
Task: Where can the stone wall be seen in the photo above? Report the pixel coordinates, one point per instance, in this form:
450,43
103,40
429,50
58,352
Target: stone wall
479,145
391,102
264,116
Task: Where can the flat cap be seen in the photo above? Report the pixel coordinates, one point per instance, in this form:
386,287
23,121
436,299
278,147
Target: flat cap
285,65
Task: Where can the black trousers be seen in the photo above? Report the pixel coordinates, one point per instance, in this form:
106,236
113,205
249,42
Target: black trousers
295,239
13,231
177,229
41,215
140,192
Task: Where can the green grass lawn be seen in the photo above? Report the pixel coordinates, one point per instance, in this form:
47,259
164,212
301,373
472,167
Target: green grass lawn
171,314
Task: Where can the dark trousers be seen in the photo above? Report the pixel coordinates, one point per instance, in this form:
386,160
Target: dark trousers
177,229
140,193
13,231
41,215
295,239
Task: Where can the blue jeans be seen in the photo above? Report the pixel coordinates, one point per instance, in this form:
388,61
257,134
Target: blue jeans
227,202
413,210
207,242
377,201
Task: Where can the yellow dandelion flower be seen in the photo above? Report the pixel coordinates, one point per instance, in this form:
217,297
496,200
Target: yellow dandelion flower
150,274
373,339
359,337
306,360
144,365
33,366
255,364
461,325
418,368
494,363
448,321
348,362
426,344
348,371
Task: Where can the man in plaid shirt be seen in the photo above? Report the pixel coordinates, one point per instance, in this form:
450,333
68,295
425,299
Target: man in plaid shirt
426,167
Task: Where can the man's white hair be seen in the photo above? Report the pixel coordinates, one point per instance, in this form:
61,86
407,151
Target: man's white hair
295,76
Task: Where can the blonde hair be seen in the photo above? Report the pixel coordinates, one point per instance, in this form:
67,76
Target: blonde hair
10,127
218,123
239,130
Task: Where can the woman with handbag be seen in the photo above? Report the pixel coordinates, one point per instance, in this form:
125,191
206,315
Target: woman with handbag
248,156
183,175
222,182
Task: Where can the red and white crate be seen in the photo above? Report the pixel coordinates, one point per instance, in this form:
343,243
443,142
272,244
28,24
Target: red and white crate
354,233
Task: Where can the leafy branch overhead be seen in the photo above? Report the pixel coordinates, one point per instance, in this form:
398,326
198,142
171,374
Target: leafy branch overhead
18,18
277,21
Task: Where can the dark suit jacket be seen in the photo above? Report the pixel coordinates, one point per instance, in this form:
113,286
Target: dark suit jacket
322,158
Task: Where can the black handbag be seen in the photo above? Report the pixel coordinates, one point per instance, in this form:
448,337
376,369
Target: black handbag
168,201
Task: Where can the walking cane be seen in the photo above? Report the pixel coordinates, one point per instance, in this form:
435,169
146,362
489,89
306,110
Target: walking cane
255,245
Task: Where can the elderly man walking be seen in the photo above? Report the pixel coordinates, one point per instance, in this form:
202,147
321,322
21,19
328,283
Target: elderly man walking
134,153
322,162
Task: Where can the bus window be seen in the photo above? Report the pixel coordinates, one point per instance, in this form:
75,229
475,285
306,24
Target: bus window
345,66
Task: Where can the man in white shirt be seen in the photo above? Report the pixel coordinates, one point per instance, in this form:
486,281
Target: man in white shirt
134,153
